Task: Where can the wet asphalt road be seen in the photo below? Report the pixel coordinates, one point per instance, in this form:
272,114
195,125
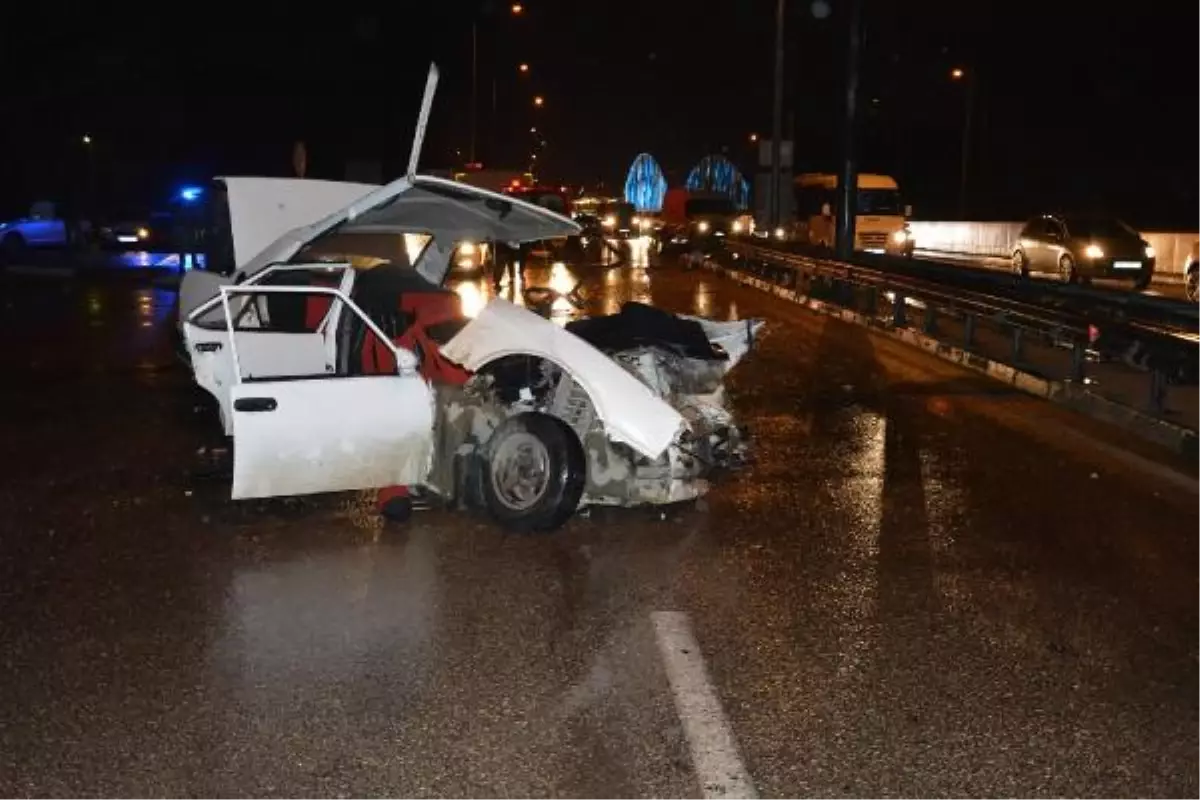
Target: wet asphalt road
926,585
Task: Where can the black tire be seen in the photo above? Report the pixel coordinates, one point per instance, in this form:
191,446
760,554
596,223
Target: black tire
1066,270
1020,264
547,494
12,248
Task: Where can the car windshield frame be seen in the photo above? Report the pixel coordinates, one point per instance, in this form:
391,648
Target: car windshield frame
1099,228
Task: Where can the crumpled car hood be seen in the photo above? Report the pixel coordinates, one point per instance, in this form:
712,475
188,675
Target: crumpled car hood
630,410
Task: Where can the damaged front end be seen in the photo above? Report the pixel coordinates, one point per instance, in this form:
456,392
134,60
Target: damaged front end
691,380
659,438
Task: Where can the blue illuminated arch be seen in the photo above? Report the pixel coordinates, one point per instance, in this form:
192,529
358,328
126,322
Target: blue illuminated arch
717,174
645,185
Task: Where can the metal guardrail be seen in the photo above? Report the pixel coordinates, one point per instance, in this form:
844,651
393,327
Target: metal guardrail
1092,303
1158,359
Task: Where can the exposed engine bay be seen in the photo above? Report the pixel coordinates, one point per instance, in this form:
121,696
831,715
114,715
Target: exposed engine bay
682,360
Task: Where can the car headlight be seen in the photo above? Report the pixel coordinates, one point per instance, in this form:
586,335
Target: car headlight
1149,251
143,233
466,249
780,233
702,226
1093,251
637,222
609,221
738,227
900,237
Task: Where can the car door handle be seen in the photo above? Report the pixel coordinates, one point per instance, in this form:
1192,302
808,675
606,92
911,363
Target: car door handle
255,404
208,347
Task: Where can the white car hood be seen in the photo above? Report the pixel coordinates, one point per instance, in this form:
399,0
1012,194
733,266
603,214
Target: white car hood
630,411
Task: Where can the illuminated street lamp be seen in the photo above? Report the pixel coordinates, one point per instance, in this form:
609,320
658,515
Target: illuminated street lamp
87,139
753,138
523,68
968,81
539,101
516,9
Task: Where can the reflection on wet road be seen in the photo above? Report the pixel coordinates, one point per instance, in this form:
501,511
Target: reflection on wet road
619,271
924,585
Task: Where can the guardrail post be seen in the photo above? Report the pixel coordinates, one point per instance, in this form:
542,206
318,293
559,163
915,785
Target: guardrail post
872,301
899,310
1078,360
1018,345
930,325
1158,391
838,291
969,332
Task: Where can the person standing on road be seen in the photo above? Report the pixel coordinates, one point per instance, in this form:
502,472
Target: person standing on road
509,259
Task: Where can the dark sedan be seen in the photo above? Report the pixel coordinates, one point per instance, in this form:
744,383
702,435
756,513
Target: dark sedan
1079,248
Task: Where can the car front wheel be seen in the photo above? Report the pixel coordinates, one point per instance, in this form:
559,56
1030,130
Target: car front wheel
1066,270
1020,264
12,248
534,473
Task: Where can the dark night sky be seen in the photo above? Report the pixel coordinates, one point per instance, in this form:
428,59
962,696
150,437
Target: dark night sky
1076,104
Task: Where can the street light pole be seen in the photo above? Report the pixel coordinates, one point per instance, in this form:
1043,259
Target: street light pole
966,145
849,177
777,117
474,84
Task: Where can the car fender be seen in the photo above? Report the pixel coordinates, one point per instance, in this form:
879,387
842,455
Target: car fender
629,410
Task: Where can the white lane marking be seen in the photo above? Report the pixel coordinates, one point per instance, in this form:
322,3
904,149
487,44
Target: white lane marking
715,755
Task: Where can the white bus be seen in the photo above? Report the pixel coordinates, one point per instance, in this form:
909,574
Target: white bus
880,226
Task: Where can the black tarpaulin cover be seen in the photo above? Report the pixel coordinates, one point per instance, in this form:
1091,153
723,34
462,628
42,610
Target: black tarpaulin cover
640,325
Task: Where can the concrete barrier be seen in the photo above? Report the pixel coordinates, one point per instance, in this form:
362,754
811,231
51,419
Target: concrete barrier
996,240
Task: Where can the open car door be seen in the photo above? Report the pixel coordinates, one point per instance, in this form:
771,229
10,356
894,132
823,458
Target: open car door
326,431
288,345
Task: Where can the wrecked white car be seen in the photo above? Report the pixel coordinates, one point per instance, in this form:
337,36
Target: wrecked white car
339,361
332,376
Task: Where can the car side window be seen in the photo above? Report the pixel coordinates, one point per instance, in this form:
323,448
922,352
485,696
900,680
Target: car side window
349,348
278,313
1033,229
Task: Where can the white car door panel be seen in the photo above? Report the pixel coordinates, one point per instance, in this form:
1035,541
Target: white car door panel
266,354
330,434
263,353
212,365
323,433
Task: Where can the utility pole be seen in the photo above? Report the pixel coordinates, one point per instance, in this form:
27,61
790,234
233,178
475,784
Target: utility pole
849,177
966,146
474,86
777,117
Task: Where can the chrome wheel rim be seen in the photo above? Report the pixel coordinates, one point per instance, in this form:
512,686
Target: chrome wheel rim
520,471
